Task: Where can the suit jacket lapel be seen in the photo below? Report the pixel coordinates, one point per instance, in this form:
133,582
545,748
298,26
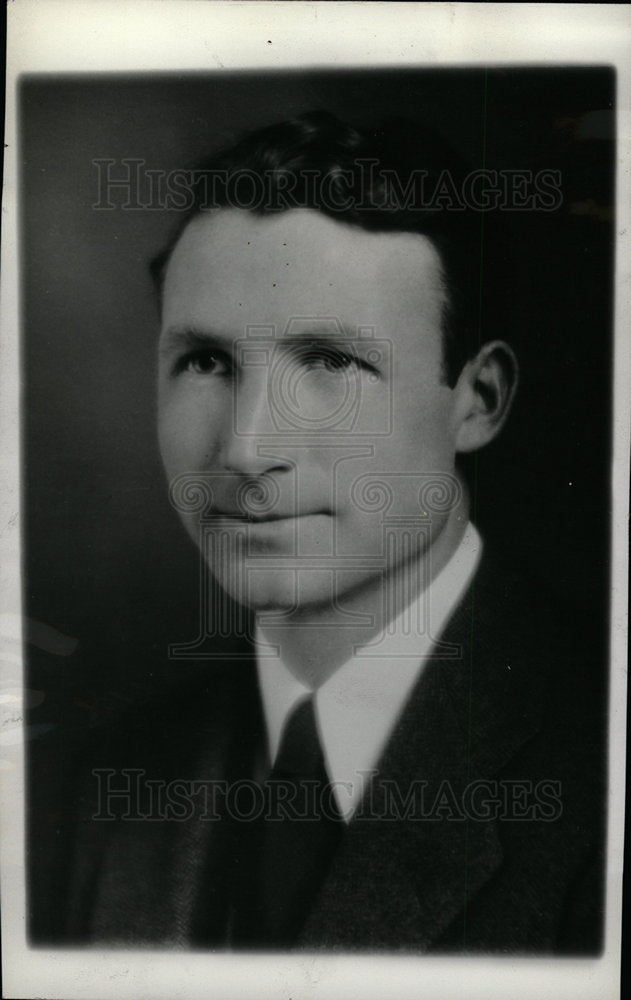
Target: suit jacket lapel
400,882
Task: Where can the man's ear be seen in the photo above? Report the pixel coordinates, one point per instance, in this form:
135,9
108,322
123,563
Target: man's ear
485,391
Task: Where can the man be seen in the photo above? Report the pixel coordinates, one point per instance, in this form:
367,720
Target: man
393,755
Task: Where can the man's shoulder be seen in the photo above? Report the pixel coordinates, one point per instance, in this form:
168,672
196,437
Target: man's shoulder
157,712
98,760
522,602
526,635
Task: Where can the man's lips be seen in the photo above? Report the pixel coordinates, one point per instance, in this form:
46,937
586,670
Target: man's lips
269,516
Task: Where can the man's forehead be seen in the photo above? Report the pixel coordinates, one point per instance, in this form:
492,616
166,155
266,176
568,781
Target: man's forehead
221,236
299,263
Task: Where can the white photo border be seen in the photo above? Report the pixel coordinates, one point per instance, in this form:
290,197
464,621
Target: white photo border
135,36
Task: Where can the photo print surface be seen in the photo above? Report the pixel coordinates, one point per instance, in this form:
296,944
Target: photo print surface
316,457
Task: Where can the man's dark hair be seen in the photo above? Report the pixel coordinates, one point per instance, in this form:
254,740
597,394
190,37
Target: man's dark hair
398,177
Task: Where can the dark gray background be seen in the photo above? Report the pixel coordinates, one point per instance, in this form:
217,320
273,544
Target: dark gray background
106,559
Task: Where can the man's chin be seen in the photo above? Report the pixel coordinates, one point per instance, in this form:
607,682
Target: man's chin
279,591
258,591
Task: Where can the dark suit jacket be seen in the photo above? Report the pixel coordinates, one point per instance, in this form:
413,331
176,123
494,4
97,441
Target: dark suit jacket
516,704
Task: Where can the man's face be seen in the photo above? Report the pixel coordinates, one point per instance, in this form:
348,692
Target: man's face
301,376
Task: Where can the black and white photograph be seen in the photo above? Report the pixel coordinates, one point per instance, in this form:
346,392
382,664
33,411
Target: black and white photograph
320,464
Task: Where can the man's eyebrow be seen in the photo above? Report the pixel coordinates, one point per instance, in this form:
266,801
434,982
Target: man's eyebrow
192,338
319,331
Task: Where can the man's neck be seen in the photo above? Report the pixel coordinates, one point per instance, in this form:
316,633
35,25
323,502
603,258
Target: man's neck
316,640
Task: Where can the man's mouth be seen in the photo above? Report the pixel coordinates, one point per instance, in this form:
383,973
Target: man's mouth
269,517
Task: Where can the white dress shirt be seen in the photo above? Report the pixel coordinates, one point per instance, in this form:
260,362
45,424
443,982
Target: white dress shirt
358,706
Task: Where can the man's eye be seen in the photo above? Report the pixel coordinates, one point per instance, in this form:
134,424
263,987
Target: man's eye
203,363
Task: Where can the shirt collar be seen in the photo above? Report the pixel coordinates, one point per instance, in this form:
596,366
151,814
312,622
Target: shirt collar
358,706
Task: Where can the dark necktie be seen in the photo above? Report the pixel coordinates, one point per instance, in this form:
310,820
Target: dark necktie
288,852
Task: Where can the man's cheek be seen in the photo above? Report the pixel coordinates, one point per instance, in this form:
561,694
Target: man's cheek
182,438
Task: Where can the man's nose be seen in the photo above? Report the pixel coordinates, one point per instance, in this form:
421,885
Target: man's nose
251,427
